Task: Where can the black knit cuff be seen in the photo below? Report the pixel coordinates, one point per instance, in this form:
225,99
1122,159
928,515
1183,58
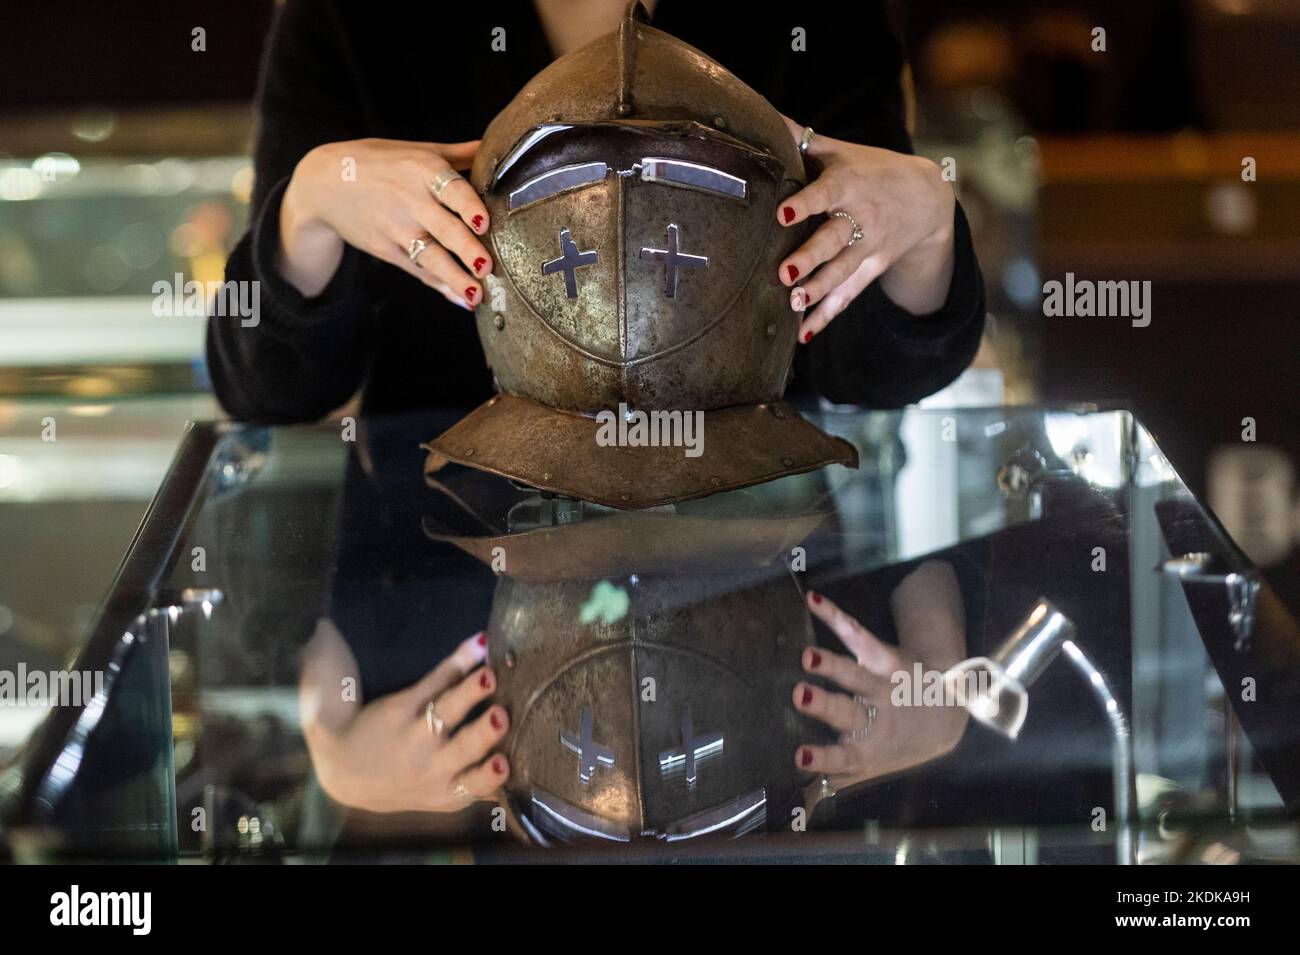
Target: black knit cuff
283,299
931,334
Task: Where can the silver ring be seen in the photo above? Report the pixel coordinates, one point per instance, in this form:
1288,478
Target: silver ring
857,232
804,140
463,794
416,247
441,181
433,720
859,735
828,792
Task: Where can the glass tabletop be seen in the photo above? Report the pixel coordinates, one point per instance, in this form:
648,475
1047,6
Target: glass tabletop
1042,648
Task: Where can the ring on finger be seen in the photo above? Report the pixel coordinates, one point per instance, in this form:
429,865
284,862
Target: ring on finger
858,735
415,248
441,181
462,793
857,231
433,720
804,140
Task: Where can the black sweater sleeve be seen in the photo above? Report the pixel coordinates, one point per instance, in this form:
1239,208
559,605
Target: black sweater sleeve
303,357
875,353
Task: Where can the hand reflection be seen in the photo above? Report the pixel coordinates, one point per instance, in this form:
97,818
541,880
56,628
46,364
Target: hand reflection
394,753
878,738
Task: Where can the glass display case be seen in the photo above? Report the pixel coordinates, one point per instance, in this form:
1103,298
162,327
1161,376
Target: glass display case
649,660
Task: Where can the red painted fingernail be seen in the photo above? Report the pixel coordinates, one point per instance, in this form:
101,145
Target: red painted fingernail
495,720
816,659
816,597
498,766
807,337
806,698
792,272
485,680
478,223
787,213
470,293
481,639
805,757
479,263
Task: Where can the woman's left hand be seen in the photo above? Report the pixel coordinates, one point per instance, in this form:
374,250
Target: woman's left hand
876,737
904,209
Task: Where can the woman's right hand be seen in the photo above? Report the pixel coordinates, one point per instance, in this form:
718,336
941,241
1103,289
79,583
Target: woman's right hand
389,755
374,194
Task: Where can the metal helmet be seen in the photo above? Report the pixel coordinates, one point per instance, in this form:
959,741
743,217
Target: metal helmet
633,187
647,660
666,712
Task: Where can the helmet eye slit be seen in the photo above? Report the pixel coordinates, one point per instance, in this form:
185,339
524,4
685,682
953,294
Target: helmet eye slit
690,175
555,181
668,172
